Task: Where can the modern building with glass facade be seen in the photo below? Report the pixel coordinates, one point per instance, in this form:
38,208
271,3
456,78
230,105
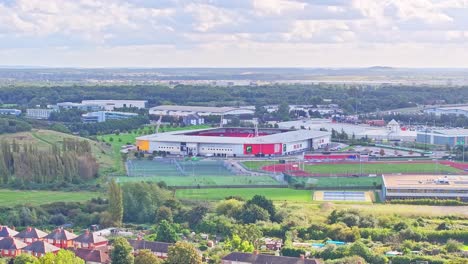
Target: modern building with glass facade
451,137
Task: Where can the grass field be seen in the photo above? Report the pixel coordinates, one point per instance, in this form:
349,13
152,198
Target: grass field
257,165
339,181
378,168
275,194
203,180
13,197
367,168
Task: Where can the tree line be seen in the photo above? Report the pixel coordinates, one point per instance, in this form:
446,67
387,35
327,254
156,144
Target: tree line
71,163
352,98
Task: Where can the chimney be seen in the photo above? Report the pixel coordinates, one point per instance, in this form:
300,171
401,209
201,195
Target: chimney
87,232
255,252
13,228
302,256
29,229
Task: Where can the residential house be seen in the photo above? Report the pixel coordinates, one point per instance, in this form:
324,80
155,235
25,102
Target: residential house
11,247
255,258
5,231
90,240
273,243
30,235
40,248
92,256
61,238
159,249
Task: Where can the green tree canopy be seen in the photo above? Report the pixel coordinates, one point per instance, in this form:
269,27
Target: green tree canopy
183,253
166,232
145,256
122,252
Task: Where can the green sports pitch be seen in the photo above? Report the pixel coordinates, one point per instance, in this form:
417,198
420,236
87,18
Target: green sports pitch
14,197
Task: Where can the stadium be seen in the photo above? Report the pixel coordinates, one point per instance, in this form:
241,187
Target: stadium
234,142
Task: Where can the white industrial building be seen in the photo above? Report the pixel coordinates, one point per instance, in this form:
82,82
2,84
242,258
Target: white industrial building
448,110
109,105
39,113
444,137
183,110
234,142
103,116
392,132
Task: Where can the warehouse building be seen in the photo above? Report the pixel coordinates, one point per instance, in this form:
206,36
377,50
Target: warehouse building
103,116
425,187
184,110
15,112
110,105
234,142
452,110
451,137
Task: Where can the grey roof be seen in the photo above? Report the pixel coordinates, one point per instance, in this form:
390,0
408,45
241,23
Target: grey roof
5,231
188,108
41,247
160,247
61,234
452,132
90,237
263,259
31,233
289,136
11,243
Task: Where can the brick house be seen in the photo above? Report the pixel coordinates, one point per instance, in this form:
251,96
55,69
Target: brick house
92,256
159,249
255,258
40,248
61,238
30,235
90,240
11,247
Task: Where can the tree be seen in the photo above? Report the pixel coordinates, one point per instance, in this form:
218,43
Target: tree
62,256
145,256
239,245
183,253
122,252
283,112
264,203
25,259
229,208
252,213
115,203
166,232
196,214
164,213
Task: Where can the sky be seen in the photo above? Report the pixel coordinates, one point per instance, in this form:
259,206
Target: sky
234,33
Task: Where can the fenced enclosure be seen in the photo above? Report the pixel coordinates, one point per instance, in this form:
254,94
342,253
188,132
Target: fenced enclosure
179,167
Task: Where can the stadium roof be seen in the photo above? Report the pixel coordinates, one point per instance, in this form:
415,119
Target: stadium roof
180,136
405,181
451,132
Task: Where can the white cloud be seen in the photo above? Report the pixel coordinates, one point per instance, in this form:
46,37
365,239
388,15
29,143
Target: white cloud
224,30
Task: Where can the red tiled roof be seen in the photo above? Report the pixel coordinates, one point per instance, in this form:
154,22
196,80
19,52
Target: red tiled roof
261,259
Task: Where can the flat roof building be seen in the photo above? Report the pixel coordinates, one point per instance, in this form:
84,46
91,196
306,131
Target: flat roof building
39,113
103,116
234,141
425,187
15,112
448,110
451,137
110,105
184,110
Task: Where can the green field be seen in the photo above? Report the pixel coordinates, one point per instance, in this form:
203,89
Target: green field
203,180
367,168
379,168
275,194
12,197
339,181
257,165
